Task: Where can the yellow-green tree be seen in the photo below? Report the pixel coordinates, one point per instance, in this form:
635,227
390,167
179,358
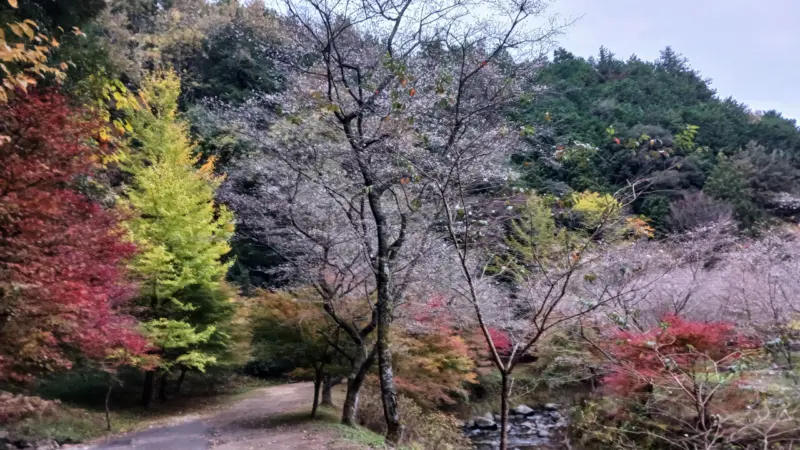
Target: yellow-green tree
181,232
534,235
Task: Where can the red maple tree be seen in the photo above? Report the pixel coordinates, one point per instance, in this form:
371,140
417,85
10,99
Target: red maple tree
677,345
694,361
62,257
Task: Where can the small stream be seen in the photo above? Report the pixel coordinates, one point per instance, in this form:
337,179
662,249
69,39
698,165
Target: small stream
528,428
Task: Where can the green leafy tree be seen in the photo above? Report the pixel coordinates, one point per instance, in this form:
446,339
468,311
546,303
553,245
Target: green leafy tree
293,332
535,236
728,182
754,181
53,14
182,233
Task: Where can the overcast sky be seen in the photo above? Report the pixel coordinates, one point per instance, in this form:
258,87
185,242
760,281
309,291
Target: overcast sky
749,48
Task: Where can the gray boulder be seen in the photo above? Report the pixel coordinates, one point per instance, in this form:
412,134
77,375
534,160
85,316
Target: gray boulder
46,444
485,421
523,410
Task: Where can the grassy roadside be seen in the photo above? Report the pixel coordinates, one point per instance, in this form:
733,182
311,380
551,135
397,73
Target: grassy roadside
328,420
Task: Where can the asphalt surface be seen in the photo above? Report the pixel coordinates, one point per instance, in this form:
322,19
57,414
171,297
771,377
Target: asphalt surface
194,435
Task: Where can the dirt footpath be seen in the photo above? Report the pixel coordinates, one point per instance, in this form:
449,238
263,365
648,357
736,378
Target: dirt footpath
274,418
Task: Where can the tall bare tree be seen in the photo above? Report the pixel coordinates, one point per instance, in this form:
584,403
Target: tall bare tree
383,91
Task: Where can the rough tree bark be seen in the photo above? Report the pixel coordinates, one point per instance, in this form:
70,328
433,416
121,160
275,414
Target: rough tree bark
504,396
162,388
317,388
394,429
354,384
385,304
149,388
181,377
327,387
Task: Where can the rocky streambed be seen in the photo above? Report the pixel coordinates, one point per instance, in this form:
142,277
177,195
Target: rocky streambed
528,428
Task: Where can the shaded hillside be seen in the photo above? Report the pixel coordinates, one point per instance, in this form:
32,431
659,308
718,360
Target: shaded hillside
602,122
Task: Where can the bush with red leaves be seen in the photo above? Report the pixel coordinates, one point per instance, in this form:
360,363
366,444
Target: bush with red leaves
62,257
433,316
677,349
501,341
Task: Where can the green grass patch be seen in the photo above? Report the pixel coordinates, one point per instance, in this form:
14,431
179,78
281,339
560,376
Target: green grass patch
327,419
360,435
355,437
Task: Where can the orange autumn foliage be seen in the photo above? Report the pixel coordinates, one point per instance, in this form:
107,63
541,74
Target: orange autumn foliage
433,368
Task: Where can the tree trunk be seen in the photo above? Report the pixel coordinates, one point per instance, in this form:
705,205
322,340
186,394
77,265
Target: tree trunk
162,388
787,346
385,304
350,407
317,388
354,384
327,394
108,399
394,428
149,388
181,377
504,397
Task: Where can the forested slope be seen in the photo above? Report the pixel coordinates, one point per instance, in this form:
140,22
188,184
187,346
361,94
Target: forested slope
663,121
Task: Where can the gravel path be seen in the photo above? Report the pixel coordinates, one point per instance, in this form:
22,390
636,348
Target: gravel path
272,418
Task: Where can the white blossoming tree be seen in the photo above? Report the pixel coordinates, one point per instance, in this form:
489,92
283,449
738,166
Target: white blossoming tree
392,104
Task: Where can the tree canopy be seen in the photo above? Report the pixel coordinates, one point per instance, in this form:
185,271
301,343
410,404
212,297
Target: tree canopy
603,122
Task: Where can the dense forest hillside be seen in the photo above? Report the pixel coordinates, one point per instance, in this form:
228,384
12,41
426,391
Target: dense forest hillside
603,122
422,216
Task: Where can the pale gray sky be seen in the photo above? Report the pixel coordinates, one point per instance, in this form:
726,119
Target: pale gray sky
749,48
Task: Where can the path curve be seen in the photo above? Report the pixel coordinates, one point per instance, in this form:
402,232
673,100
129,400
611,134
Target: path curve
272,418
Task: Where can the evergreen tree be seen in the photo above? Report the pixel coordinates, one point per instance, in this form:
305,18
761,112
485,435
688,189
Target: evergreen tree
183,234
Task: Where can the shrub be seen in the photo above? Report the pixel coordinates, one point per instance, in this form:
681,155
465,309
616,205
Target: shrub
15,408
29,418
429,430
687,384
434,368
